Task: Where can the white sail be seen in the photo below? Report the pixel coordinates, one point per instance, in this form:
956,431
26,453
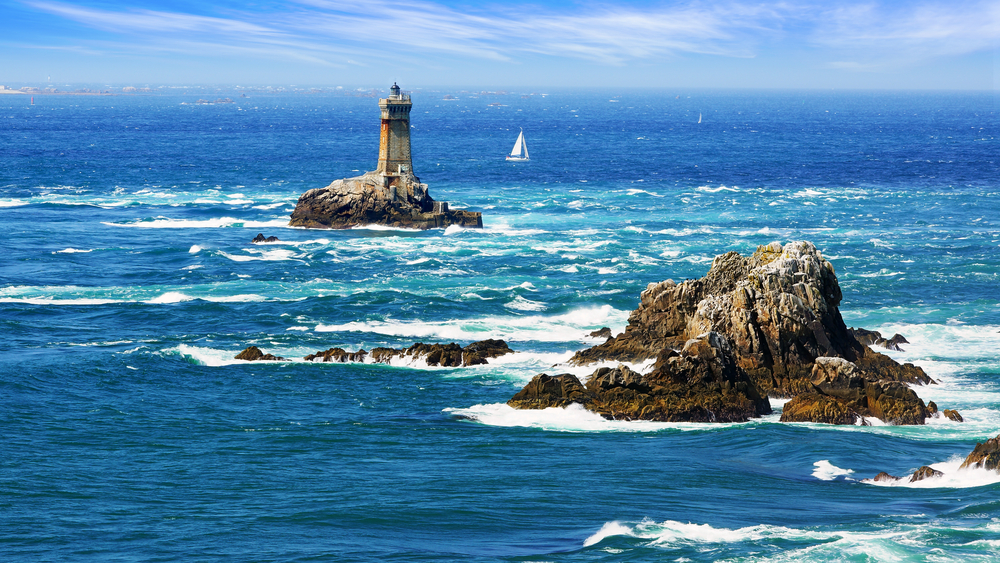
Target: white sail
520,150
516,151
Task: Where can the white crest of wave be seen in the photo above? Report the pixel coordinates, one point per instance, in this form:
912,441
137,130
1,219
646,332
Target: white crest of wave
572,418
195,249
384,228
521,304
711,190
243,298
507,230
12,203
453,230
170,297
206,356
567,327
221,222
72,251
827,471
54,301
952,478
276,255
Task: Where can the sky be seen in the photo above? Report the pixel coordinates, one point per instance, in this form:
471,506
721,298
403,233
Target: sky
851,44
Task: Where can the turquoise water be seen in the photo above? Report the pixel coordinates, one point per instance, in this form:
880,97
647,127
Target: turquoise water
129,283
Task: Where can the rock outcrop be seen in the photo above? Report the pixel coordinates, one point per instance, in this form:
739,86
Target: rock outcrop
843,394
260,238
603,332
986,455
778,308
700,383
874,338
444,355
376,199
254,354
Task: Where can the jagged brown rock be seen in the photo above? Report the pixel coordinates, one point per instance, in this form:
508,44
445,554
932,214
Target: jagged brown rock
337,355
374,199
261,238
883,476
952,415
874,338
985,455
925,472
254,354
778,308
700,383
843,395
445,355
603,332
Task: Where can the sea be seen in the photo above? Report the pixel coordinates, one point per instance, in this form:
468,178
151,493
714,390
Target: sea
128,284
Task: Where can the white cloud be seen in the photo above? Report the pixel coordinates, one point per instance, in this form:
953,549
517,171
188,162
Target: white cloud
319,31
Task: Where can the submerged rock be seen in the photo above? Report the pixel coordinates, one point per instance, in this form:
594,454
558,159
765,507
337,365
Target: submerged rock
376,199
700,383
254,354
778,308
874,338
445,355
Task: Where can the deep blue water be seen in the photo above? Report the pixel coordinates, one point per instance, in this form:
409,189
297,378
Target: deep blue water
129,433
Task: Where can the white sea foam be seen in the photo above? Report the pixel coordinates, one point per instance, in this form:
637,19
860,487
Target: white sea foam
384,228
521,304
12,202
209,356
453,230
567,327
573,418
276,255
171,297
195,249
711,190
54,301
221,222
952,478
72,251
826,471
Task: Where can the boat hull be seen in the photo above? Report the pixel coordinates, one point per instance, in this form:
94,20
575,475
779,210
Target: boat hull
516,159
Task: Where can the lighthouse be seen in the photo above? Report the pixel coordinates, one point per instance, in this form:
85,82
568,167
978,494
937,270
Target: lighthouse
394,140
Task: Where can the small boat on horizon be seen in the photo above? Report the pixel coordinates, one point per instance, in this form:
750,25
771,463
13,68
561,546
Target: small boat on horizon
520,151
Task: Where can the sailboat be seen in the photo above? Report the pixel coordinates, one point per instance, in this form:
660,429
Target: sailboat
519,147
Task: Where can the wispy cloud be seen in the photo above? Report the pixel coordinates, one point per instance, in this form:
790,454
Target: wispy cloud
913,30
322,31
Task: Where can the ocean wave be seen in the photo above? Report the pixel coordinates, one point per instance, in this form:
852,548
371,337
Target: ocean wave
773,543
826,471
276,255
12,203
72,251
711,190
952,477
567,327
572,418
221,222
521,304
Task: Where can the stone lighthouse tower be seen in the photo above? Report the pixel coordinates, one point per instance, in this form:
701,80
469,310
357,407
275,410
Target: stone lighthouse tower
394,140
